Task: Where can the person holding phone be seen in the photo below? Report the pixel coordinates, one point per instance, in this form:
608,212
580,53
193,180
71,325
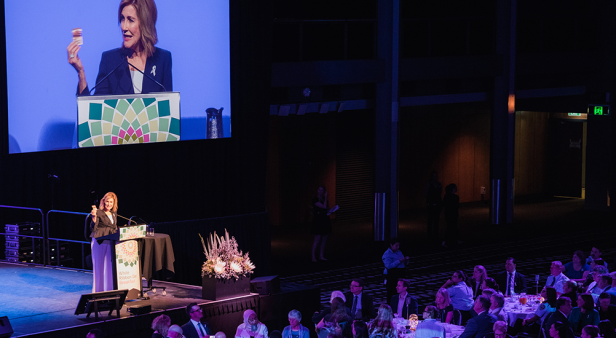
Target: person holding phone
137,19
103,222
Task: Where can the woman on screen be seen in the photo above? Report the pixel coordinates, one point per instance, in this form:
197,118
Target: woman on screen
119,70
104,222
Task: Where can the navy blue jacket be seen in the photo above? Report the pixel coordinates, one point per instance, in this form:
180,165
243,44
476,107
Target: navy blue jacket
157,66
479,326
410,306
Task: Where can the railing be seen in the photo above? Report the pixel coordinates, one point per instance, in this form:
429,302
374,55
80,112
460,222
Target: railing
44,234
58,240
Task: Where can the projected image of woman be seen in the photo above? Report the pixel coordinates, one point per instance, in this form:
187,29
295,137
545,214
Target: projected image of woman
137,19
104,222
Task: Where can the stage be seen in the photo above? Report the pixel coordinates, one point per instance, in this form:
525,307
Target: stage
41,302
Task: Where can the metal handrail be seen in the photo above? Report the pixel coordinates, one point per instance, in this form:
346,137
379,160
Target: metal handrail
58,240
43,228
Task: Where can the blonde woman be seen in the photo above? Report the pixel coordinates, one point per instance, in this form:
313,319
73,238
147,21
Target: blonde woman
104,222
382,326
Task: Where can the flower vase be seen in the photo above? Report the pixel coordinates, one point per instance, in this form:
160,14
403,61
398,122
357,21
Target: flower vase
219,289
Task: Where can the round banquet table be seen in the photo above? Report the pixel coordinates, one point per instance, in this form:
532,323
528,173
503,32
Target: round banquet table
156,255
516,311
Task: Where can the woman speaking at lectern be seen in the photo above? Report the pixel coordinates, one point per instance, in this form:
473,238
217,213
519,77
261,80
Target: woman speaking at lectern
104,222
135,68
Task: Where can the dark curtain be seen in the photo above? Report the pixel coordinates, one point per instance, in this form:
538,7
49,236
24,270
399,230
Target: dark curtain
251,232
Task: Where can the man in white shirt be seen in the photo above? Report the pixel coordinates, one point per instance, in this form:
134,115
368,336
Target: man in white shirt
557,278
194,328
602,283
430,328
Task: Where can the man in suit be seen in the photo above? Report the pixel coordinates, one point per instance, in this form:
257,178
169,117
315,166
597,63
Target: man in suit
403,303
511,281
194,328
563,310
359,302
480,325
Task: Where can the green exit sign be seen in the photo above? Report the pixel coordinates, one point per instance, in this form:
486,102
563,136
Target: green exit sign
602,110
575,114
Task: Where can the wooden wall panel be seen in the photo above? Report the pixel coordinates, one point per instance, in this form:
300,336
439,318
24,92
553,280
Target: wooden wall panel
454,140
531,137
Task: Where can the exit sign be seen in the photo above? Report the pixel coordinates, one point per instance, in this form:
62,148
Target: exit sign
575,114
602,110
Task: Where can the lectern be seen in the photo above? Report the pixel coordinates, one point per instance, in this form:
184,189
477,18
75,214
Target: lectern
125,252
104,120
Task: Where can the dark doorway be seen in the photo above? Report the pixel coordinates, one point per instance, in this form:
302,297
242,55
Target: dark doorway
566,157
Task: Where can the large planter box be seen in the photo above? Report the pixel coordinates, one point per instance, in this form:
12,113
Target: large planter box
218,289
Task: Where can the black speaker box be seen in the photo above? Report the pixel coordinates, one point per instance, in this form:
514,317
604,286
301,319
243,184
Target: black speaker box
265,285
5,327
139,310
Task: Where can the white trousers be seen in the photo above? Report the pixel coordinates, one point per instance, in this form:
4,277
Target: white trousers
101,264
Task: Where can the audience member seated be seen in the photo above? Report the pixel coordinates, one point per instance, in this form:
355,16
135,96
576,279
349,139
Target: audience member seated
195,328
557,279
481,324
570,289
295,329
221,334
603,283
445,309
584,314
95,333
488,292
490,283
359,302
430,327
160,325
590,331
563,310
337,321
612,290
531,325
575,269
595,254
497,302
360,329
403,304
598,266
461,294
382,326
607,329
175,331
479,276
558,330
316,318
251,327
512,281
500,330
606,309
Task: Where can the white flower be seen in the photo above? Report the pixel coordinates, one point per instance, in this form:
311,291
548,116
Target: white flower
249,264
219,267
236,267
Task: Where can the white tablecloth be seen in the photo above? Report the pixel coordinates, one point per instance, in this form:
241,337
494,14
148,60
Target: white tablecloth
450,329
515,310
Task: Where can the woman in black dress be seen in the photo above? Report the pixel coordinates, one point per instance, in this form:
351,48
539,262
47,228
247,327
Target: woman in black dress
321,224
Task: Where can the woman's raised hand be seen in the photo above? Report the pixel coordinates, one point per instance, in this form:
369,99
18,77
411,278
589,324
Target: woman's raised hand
93,213
73,57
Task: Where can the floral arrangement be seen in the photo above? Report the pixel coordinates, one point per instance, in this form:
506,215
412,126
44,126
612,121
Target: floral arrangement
223,259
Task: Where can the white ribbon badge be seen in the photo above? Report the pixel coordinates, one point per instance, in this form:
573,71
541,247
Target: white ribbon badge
153,72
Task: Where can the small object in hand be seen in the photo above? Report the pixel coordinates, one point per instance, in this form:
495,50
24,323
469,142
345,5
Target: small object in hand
78,37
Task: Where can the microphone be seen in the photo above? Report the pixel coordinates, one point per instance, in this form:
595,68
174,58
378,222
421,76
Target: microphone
126,52
128,219
148,76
